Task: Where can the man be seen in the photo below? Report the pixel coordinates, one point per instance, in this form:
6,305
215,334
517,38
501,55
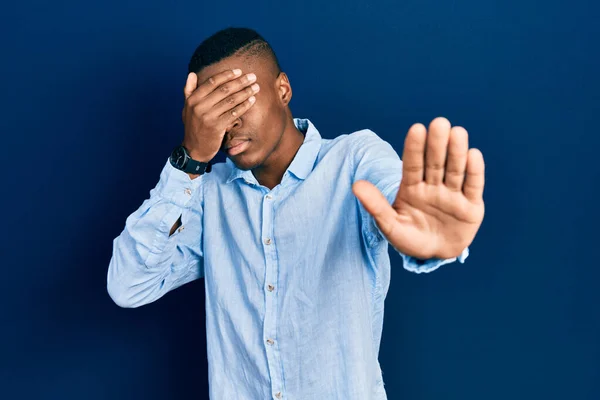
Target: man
291,233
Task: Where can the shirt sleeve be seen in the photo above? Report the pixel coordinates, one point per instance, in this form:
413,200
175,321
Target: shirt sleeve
377,162
146,262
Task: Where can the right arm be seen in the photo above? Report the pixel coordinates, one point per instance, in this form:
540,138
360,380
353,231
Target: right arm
151,256
154,254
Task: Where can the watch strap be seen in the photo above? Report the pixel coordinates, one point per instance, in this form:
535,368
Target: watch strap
197,167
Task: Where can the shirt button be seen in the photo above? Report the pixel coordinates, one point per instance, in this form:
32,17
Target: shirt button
270,342
180,229
271,288
269,197
278,395
188,191
268,241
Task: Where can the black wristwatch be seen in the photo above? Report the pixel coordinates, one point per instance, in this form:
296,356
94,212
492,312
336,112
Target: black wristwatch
181,160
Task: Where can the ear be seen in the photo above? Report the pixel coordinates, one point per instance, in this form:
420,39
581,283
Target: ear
284,89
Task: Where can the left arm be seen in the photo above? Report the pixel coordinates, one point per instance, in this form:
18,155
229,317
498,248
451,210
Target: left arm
429,205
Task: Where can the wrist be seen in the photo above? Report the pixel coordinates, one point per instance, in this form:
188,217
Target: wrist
195,154
191,164
199,158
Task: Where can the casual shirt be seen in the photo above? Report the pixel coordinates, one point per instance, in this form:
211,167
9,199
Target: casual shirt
295,276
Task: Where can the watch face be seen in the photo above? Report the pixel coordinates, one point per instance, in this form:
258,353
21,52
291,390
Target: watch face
179,157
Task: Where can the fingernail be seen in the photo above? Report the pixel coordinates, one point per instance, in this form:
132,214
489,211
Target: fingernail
251,77
252,99
237,72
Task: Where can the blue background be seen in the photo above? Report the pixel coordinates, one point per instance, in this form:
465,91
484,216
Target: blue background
91,103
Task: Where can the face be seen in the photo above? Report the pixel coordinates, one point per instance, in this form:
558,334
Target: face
264,123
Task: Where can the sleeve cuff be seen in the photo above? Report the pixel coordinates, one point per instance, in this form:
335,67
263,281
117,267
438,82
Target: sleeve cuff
176,186
418,266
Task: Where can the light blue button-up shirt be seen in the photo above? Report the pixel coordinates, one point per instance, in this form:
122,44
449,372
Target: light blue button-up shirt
295,276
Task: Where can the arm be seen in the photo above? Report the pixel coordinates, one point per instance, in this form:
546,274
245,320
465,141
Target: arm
154,254
377,162
151,256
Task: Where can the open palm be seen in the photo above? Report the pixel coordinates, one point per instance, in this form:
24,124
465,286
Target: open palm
439,206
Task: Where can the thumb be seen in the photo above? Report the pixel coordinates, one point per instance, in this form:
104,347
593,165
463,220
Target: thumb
190,84
376,204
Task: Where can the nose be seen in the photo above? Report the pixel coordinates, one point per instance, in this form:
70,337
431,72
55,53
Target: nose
228,132
235,124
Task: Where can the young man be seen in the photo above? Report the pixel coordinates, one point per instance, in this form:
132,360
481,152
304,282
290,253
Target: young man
291,233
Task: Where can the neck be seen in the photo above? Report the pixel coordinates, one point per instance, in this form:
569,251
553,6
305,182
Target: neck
271,172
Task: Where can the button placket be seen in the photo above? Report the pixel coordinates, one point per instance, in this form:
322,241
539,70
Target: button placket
270,318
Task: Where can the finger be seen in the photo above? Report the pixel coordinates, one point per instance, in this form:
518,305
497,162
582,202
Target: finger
234,99
212,83
376,204
475,180
190,84
458,146
413,155
436,149
229,88
227,118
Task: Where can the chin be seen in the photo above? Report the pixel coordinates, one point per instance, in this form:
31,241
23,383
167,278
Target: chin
244,163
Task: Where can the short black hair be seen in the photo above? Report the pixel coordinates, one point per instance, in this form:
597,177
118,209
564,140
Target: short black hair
227,42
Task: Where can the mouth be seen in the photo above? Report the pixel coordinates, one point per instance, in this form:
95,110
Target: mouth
237,147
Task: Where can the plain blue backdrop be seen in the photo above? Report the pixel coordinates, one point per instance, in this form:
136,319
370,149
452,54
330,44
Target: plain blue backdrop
91,107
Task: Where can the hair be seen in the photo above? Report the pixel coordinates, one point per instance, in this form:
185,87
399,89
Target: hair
230,41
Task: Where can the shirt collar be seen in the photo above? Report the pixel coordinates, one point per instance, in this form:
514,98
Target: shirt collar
304,160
